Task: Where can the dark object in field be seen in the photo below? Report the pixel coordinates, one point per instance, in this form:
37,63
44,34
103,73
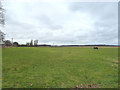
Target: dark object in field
95,47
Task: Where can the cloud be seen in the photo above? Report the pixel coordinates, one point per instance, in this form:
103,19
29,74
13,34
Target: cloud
61,22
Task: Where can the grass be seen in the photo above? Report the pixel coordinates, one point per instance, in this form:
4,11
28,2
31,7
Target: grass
59,67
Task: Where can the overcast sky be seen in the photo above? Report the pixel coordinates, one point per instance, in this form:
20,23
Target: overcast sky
61,22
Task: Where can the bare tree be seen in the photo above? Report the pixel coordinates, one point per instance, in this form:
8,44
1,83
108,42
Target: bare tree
2,35
31,43
8,43
27,44
2,19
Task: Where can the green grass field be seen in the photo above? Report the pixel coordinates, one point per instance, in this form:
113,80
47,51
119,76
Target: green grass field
59,67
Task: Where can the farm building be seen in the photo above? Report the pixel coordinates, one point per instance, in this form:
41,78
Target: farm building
2,38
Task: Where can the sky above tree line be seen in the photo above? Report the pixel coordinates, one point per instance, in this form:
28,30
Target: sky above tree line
61,22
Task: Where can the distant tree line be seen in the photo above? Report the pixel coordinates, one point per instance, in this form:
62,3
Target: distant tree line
16,44
9,43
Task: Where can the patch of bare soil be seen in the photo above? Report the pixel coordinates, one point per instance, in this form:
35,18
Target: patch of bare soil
87,86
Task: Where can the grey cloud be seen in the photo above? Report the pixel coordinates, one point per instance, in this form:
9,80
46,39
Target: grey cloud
62,23
44,19
105,26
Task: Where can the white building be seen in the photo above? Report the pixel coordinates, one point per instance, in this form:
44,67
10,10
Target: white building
2,38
